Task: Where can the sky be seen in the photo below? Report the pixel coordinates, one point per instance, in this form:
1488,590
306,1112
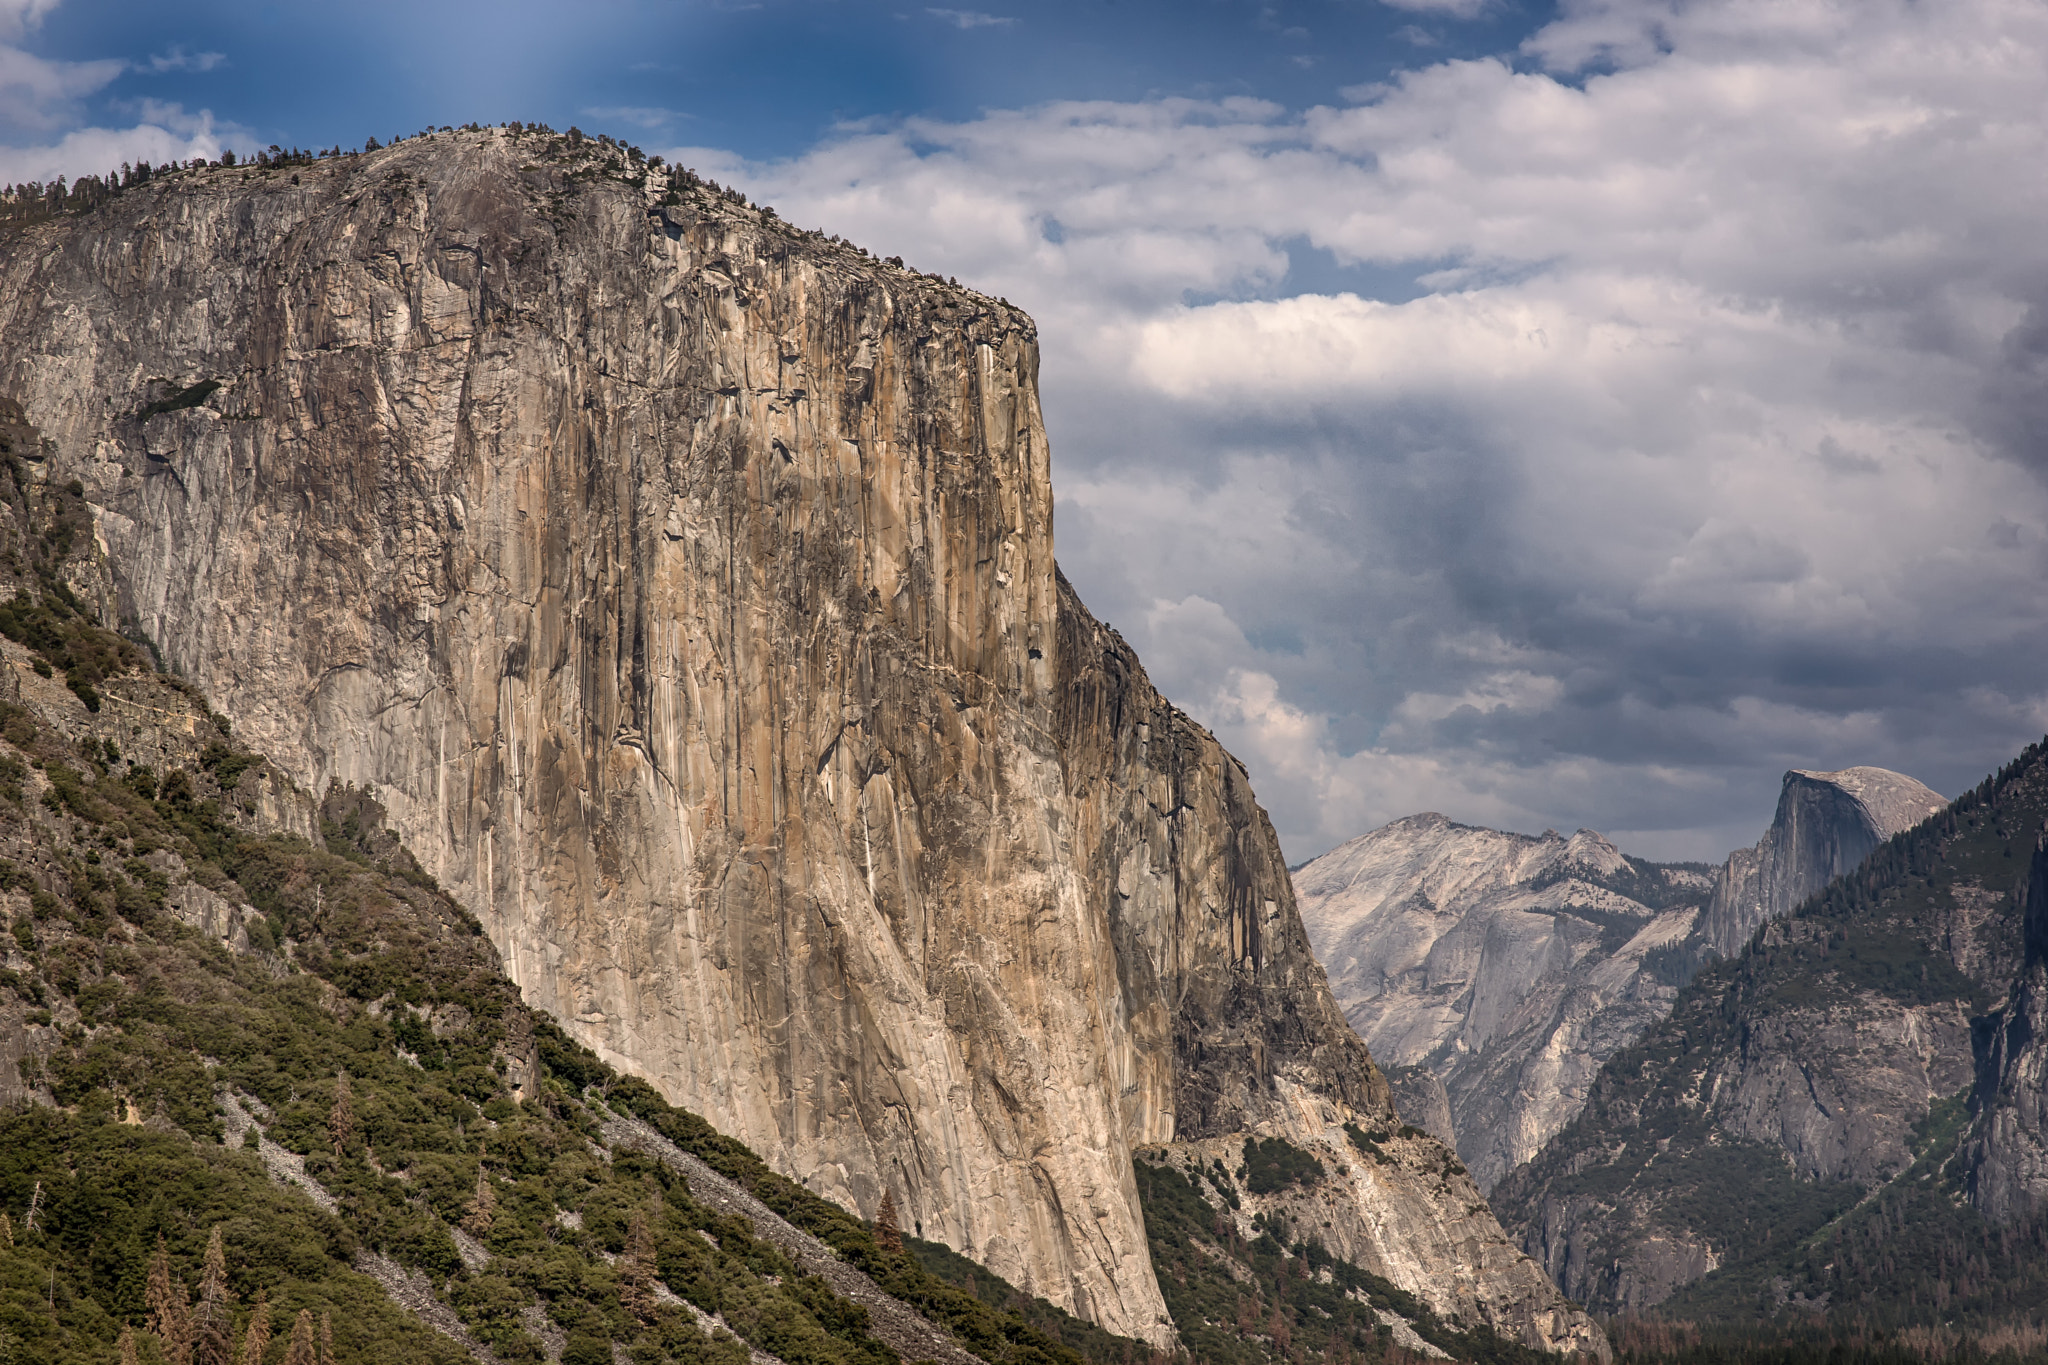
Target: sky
1549,415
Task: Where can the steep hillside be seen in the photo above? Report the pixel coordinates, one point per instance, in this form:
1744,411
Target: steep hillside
1511,968
254,1065
682,585
1797,1137
2007,1156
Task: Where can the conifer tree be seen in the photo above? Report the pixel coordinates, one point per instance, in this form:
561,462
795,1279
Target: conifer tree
256,1339
300,1351
212,1334
341,1120
888,1232
636,1268
482,1210
129,1355
326,1337
169,1307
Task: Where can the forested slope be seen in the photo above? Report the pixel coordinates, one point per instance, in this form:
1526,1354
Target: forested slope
1785,1146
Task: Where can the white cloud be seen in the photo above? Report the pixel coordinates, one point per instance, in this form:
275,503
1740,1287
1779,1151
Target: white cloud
42,98
970,19
1456,9
178,59
1720,414
165,134
17,17
36,92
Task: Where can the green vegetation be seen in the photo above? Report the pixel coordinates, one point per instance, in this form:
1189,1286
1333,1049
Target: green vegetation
1238,1302
1369,1143
1911,1254
948,1266
982,1322
54,626
1275,1163
1803,1341
368,1029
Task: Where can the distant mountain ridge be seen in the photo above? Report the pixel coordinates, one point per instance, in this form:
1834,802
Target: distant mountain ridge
1511,967
1827,824
1508,966
1845,1120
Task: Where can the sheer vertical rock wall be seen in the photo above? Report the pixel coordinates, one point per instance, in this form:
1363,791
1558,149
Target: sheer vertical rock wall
1826,824
2007,1156
682,585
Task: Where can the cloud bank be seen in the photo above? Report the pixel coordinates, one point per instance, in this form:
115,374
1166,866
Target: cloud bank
41,102
1582,439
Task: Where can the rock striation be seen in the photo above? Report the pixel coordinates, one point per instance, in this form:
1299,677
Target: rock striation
682,586
1513,967
1508,967
1827,823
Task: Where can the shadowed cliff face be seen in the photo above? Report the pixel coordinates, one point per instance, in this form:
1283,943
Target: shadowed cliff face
2007,1156
683,587
1827,823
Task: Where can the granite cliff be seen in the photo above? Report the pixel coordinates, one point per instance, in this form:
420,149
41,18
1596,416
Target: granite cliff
1827,823
1511,968
682,585
1843,1120
1506,967
2007,1157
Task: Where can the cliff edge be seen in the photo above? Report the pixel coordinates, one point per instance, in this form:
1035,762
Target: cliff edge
682,584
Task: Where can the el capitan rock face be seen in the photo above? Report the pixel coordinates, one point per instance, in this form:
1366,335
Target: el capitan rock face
1513,967
683,586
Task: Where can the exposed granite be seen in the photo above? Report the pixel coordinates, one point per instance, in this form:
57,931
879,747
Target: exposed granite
1513,967
1826,824
682,586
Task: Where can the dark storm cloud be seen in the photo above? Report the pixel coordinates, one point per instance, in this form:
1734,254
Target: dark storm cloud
1710,446
1580,434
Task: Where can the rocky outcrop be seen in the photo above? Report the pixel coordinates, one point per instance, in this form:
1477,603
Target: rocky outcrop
1422,1101
2007,1157
1827,823
1513,967
1508,967
682,586
1390,1203
1809,1092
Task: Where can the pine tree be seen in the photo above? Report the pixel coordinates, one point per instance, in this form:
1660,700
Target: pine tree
326,1337
129,1355
636,1269
169,1307
341,1120
482,1210
212,1335
300,1351
888,1232
257,1338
